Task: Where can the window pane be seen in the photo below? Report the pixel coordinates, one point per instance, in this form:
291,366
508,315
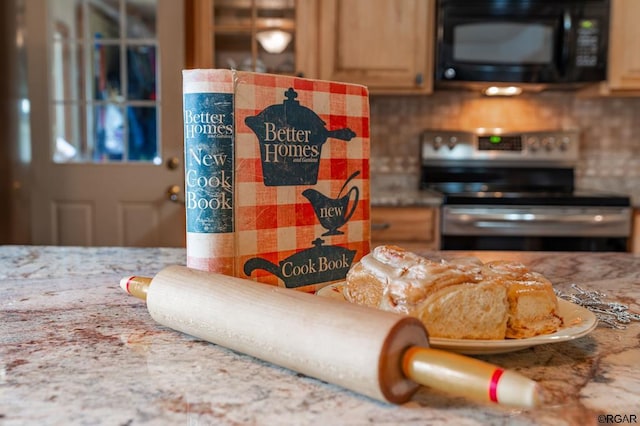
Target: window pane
141,19
109,132
69,132
142,133
141,72
104,19
68,72
107,75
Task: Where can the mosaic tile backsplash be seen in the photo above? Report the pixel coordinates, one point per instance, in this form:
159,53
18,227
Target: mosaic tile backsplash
609,132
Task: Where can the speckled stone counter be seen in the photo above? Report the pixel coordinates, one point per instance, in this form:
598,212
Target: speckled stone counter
405,197
74,349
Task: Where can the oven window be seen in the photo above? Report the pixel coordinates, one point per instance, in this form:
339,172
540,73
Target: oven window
504,43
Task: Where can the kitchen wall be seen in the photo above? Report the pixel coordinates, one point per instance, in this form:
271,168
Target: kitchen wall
609,127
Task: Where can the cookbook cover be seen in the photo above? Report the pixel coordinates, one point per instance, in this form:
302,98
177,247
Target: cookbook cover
276,176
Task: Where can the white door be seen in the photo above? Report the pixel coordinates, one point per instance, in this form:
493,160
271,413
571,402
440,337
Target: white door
105,92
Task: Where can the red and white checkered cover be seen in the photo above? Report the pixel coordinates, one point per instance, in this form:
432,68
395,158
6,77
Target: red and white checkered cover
274,222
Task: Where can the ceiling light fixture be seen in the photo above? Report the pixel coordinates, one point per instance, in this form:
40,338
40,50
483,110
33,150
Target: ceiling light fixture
274,41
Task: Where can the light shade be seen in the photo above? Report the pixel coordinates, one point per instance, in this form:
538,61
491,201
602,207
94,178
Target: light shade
274,41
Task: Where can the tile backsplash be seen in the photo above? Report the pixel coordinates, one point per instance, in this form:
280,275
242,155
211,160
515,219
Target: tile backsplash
609,132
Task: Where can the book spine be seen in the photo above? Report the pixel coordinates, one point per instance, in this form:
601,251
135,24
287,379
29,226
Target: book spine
208,106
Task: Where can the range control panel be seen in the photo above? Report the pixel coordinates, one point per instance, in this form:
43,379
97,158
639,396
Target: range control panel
497,144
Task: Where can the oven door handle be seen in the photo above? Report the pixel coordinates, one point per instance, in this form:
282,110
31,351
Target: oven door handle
531,218
465,222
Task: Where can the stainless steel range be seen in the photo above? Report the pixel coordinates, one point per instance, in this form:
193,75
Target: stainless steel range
516,191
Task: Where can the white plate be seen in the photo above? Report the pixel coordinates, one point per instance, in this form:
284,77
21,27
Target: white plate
577,322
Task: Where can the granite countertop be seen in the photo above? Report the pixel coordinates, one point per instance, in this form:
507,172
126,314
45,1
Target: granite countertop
405,197
74,349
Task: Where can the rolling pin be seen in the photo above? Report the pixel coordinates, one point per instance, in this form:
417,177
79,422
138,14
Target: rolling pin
383,355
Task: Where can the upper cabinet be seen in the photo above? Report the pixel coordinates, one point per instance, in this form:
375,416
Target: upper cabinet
254,35
386,45
624,57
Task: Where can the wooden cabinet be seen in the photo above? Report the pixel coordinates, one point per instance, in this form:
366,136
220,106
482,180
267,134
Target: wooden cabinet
634,244
386,45
227,34
413,228
624,56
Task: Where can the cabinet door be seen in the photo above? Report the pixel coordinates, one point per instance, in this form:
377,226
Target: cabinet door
229,34
412,228
384,44
624,56
635,237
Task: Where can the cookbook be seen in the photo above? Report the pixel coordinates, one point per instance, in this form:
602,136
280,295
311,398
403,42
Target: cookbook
276,176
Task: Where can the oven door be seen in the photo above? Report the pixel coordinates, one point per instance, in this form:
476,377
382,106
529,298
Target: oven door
538,228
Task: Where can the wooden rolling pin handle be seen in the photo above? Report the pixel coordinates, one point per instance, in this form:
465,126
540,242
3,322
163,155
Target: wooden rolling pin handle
136,286
470,377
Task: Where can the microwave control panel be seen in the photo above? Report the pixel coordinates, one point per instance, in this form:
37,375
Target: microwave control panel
587,42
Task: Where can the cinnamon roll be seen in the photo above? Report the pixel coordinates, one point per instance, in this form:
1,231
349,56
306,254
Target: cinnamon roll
459,299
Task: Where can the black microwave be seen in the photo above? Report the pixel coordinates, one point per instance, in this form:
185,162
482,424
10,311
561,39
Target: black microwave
536,42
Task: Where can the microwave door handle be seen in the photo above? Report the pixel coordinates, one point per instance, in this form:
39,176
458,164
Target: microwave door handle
567,25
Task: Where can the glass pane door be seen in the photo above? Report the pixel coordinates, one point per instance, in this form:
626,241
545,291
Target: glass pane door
104,71
255,35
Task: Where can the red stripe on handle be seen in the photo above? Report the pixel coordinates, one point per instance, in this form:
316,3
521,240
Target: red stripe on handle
493,385
129,282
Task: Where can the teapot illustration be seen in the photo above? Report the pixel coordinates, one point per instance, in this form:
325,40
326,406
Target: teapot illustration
291,137
332,212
